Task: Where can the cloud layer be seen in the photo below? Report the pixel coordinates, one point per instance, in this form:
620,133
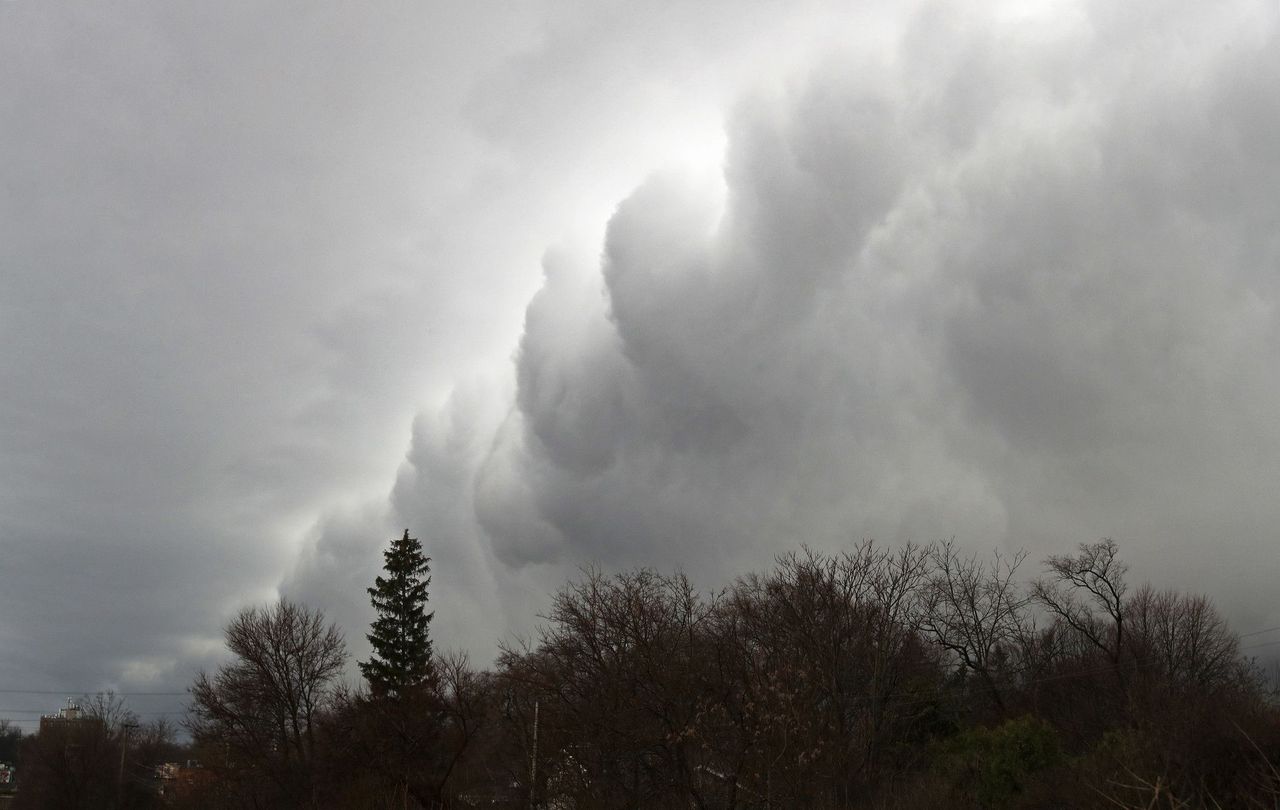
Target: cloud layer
1013,280
679,286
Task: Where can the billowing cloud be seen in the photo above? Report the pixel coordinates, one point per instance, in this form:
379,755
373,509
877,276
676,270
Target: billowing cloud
807,275
1013,280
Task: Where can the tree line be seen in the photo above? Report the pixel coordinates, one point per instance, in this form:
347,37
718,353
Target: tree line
878,677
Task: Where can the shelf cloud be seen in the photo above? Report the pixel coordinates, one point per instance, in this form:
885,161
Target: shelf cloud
624,283
1012,282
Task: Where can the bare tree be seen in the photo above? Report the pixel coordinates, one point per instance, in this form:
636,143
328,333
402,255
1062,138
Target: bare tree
828,663
110,709
974,610
614,683
1182,639
68,765
263,707
1087,593
465,695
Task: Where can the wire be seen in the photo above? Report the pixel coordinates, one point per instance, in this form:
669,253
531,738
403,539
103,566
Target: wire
1259,632
89,693
46,712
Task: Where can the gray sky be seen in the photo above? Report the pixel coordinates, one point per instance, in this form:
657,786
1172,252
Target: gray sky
634,283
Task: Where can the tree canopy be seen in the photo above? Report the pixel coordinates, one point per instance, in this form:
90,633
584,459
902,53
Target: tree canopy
400,635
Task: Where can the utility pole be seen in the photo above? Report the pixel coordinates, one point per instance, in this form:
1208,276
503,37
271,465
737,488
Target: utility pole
533,762
124,746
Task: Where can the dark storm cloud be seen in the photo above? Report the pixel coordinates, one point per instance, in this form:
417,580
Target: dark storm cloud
1003,274
224,290
241,246
1015,282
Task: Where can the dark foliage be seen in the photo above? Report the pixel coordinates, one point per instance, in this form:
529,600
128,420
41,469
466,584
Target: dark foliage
10,740
914,677
402,657
102,758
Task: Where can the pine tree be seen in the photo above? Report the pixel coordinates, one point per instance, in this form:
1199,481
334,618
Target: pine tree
401,660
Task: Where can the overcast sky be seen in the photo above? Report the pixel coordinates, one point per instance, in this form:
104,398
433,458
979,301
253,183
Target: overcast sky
673,284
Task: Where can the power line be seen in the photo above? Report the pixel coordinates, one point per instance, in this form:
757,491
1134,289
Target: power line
46,712
89,693
1259,632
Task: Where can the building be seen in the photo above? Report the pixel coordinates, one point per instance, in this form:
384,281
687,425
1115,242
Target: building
70,719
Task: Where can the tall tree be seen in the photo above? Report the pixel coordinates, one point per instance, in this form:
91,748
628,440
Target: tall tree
400,635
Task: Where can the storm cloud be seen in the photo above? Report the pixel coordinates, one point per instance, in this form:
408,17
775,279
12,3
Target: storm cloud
1012,281
639,284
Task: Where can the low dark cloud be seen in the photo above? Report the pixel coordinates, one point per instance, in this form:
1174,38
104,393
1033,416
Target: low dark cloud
222,298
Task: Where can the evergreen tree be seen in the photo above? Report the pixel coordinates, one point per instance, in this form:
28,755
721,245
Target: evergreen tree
401,659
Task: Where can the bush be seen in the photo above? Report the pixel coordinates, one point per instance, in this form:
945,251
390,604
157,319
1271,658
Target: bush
992,767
